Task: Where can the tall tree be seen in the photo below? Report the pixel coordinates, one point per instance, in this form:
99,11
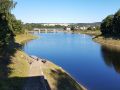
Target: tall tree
116,22
107,25
6,30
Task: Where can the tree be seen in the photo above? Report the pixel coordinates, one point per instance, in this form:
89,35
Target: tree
89,28
72,28
107,25
116,22
97,27
6,30
17,27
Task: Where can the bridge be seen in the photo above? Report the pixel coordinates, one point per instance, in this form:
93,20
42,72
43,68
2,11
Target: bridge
46,30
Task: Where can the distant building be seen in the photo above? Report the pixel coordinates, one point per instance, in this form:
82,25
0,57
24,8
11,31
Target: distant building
83,28
94,27
68,28
54,24
35,29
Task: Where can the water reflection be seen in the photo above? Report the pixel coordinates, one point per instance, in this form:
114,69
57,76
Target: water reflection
111,57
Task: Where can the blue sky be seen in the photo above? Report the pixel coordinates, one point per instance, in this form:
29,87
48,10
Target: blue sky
64,11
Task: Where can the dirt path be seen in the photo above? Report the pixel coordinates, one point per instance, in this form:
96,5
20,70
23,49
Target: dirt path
36,80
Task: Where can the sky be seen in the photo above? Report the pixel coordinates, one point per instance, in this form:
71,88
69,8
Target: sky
64,11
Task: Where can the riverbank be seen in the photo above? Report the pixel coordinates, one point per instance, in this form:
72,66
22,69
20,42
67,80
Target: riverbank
113,43
58,78
107,41
24,38
89,32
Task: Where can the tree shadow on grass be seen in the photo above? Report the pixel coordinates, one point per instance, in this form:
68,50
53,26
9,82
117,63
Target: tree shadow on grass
47,85
17,83
6,55
65,81
5,59
30,83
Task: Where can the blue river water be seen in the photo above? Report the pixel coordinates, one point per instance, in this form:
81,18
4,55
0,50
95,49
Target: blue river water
95,66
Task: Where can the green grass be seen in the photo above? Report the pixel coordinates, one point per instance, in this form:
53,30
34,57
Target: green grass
59,80
90,32
18,69
111,42
24,37
107,41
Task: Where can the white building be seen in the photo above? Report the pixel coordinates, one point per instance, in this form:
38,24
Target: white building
53,24
35,29
83,28
68,28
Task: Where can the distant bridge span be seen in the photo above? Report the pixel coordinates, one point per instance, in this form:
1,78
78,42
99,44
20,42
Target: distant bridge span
45,30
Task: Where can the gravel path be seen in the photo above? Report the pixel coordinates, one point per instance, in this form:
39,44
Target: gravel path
36,79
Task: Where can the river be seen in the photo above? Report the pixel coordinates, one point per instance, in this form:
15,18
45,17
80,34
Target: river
95,66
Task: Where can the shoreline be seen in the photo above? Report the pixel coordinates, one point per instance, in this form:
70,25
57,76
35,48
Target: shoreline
112,43
109,42
91,33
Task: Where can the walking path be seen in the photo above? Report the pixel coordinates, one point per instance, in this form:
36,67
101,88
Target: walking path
36,80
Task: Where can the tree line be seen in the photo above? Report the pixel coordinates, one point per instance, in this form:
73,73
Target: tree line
111,25
31,26
9,25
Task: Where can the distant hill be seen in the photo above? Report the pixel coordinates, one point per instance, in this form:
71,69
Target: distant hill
58,25
89,24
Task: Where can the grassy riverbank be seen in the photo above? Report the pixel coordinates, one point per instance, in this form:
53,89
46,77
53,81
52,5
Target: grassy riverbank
113,42
13,65
89,32
58,79
24,37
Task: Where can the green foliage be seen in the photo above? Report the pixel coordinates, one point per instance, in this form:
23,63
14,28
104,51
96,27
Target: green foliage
9,25
111,25
72,28
6,34
97,27
17,27
89,28
107,25
116,22
6,6
30,26
93,28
